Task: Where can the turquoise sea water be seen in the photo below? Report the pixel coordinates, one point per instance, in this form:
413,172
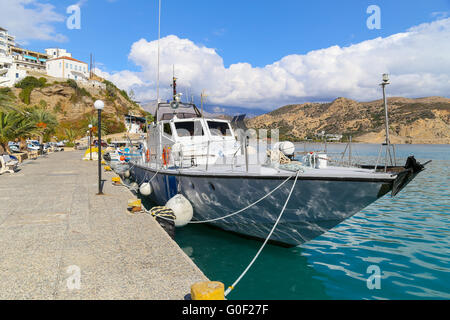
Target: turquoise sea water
406,237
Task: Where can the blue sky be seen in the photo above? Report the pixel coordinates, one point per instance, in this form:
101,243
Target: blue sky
259,33
254,31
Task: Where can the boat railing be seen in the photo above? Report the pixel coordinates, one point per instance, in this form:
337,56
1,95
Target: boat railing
202,155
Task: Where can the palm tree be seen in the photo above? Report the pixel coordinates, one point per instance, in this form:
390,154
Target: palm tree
94,121
44,121
70,134
14,125
6,100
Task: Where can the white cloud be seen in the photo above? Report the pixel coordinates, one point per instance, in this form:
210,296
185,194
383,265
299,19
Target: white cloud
123,79
418,61
30,20
440,14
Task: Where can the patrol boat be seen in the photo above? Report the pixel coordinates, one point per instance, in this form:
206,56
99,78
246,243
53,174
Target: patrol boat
245,189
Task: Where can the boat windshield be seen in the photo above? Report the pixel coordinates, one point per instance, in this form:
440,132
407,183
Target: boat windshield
189,128
183,111
218,128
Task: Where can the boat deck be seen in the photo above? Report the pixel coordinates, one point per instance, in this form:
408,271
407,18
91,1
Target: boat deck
255,171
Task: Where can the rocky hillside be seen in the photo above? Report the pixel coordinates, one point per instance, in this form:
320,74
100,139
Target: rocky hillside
73,104
423,120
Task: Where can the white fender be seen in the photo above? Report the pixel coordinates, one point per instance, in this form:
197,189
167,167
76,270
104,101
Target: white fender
182,209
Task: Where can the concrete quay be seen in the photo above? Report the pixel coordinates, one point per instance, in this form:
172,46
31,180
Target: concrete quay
59,240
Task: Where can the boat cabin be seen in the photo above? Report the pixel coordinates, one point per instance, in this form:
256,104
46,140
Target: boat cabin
181,130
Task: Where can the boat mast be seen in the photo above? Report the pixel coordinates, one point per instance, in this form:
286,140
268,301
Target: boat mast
387,141
383,85
157,86
174,83
202,98
159,37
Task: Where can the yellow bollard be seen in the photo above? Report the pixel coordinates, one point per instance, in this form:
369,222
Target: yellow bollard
103,162
208,290
116,180
107,168
135,205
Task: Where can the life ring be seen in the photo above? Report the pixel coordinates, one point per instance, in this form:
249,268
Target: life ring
147,155
165,156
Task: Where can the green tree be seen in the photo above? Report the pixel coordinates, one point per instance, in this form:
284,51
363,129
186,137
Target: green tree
14,125
93,119
27,85
71,134
6,99
44,121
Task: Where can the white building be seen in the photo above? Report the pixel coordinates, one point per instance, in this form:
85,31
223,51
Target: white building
28,60
16,62
9,72
6,41
3,42
67,68
53,53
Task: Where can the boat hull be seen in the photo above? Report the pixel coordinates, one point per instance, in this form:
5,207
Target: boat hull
316,205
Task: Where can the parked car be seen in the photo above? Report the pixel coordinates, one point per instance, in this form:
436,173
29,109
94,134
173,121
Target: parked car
33,145
14,146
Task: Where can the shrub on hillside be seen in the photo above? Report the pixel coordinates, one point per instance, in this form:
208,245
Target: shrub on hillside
31,82
27,85
79,92
25,95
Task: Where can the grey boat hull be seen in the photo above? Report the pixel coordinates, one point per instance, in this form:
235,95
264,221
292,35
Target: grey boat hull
316,205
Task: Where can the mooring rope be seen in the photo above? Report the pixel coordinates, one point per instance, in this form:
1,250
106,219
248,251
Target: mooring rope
265,241
137,188
240,210
226,216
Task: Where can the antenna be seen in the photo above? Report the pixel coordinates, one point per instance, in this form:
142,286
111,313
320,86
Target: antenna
174,83
159,37
387,142
202,98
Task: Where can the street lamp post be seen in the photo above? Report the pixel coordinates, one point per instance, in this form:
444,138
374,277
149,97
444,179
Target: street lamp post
99,105
90,141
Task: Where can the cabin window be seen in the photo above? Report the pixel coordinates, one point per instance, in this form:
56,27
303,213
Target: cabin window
189,128
219,128
167,129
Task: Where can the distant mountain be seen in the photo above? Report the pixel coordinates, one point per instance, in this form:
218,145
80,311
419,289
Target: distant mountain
422,120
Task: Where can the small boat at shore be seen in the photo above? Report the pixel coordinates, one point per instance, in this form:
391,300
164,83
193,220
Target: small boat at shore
118,152
232,186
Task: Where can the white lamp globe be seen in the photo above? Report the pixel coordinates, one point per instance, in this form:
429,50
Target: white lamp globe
385,77
90,126
99,105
